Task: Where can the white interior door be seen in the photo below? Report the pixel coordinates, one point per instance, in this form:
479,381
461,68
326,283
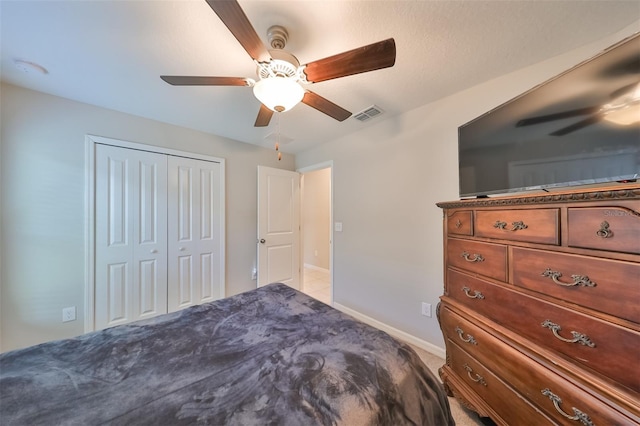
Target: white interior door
278,227
195,244
131,238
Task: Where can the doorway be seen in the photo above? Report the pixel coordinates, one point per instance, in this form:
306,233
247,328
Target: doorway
317,238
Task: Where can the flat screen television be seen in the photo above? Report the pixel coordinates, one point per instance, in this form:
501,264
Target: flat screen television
581,127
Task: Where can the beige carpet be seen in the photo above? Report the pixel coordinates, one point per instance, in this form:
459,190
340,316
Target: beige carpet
462,416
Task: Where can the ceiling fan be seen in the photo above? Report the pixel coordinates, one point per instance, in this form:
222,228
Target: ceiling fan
280,74
624,109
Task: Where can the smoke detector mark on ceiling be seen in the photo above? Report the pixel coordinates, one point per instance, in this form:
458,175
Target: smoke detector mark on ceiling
278,137
369,113
29,67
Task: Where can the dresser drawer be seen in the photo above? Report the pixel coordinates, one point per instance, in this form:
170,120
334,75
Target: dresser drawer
464,333
460,222
535,225
511,407
482,258
605,285
526,375
604,228
593,343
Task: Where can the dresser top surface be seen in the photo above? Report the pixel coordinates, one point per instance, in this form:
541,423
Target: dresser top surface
629,191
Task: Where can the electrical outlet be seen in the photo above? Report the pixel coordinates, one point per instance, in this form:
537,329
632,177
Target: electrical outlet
69,314
426,309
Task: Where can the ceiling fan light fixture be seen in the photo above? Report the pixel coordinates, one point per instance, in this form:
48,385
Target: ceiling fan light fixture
278,93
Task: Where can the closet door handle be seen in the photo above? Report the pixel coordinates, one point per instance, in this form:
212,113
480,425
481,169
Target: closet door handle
181,248
154,251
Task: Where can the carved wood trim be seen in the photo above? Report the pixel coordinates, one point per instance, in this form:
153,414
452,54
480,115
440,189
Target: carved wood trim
615,193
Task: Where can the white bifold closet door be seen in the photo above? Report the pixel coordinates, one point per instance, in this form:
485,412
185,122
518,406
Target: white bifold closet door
194,240
157,234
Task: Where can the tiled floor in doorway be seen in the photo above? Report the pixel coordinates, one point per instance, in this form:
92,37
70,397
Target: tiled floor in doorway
317,284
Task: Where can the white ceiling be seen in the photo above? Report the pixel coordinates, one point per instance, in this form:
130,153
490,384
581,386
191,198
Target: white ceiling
111,54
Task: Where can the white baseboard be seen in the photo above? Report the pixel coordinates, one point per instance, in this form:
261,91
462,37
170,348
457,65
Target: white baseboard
316,268
422,344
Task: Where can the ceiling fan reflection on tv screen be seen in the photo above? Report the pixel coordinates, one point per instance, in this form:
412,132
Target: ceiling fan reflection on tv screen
624,109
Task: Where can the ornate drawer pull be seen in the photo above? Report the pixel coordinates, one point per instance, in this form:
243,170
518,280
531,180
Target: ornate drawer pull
458,224
469,339
476,257
476,293
581,280
577,414
583,339
604,231
478,378
516,225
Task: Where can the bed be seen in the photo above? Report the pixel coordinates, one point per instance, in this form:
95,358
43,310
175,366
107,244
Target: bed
270,356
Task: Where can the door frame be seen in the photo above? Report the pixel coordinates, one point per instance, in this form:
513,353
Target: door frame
302,171
89,214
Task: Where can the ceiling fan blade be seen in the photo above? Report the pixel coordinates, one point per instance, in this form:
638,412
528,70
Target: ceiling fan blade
363,59
264,116
557,116
579,125
326,106
232,15
179,80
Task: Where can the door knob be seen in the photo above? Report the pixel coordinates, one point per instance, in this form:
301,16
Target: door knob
154,251
181,248
262,241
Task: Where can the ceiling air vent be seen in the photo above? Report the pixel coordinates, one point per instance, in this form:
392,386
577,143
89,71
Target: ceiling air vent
369,113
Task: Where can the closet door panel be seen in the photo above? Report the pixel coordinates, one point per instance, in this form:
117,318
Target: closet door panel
150,230
194,211
211,281
131,281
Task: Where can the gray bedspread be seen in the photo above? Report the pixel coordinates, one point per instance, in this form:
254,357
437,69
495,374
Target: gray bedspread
270,356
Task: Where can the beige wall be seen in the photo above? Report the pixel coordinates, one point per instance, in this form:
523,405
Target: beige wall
386,181
42,206
316,203
386,261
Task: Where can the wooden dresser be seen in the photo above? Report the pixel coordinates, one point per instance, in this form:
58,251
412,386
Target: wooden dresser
541,306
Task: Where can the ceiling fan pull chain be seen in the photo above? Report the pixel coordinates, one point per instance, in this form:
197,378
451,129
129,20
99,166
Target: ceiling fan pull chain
278,134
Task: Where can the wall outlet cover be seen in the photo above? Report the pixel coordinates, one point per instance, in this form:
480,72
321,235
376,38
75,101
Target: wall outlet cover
69,314
426,309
